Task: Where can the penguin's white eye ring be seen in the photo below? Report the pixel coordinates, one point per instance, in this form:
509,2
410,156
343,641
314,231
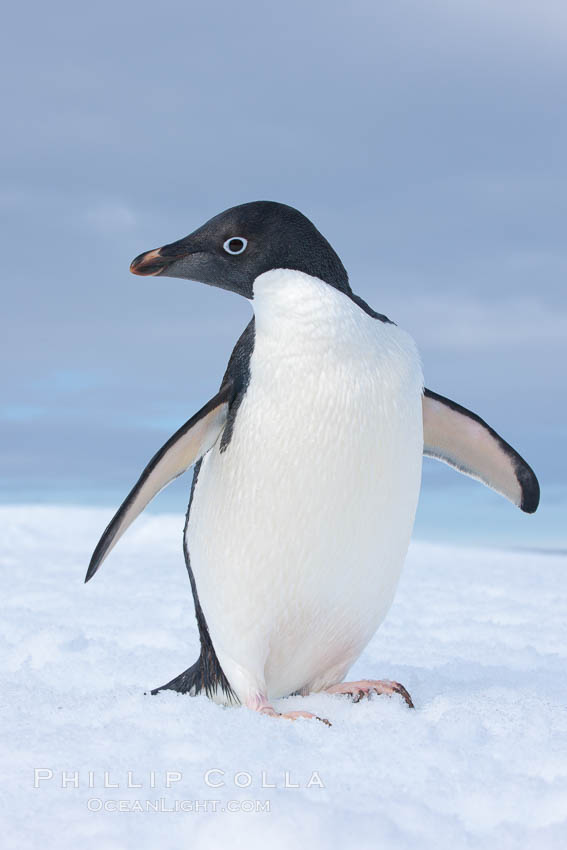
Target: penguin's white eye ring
235,245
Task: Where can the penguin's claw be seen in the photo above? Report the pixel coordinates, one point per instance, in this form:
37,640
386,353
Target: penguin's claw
367,687
293,715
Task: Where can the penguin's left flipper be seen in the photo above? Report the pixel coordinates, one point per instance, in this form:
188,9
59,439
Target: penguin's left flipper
182,450
462,439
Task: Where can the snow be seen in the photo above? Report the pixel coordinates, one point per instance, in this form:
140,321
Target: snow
476,635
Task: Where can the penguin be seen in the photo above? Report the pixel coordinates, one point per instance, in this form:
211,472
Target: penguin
307,466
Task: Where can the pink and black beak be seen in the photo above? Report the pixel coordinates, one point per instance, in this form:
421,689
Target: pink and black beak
149,263
157,261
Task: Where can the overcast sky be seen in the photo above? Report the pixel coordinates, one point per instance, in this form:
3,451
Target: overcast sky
425,139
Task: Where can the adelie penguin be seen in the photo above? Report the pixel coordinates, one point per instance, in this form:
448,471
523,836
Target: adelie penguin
307,465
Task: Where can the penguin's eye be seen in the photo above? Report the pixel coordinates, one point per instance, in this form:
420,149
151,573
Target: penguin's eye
235,245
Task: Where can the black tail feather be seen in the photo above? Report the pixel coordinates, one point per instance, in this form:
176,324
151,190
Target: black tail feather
204,676
187,682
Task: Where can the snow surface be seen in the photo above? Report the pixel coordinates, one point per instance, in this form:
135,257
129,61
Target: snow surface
477,636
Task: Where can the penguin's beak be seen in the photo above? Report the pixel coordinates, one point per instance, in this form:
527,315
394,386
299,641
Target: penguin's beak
149,263
157,261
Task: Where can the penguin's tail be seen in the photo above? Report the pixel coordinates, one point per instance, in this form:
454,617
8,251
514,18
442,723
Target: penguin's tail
202,677
187,682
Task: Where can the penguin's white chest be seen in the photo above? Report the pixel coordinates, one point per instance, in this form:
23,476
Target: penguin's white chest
299,528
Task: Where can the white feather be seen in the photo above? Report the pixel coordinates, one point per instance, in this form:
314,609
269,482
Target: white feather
298,531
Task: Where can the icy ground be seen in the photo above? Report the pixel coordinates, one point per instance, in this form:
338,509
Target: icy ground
477,636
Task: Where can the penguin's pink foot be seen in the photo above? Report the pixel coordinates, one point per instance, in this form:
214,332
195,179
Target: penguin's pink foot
293,715
367,687
261,705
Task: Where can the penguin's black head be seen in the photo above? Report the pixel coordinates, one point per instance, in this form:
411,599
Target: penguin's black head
236,246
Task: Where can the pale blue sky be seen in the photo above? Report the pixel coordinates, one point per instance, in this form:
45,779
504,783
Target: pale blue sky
425,139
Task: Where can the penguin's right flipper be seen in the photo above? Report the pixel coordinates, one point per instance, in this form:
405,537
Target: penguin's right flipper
462,439
182,450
